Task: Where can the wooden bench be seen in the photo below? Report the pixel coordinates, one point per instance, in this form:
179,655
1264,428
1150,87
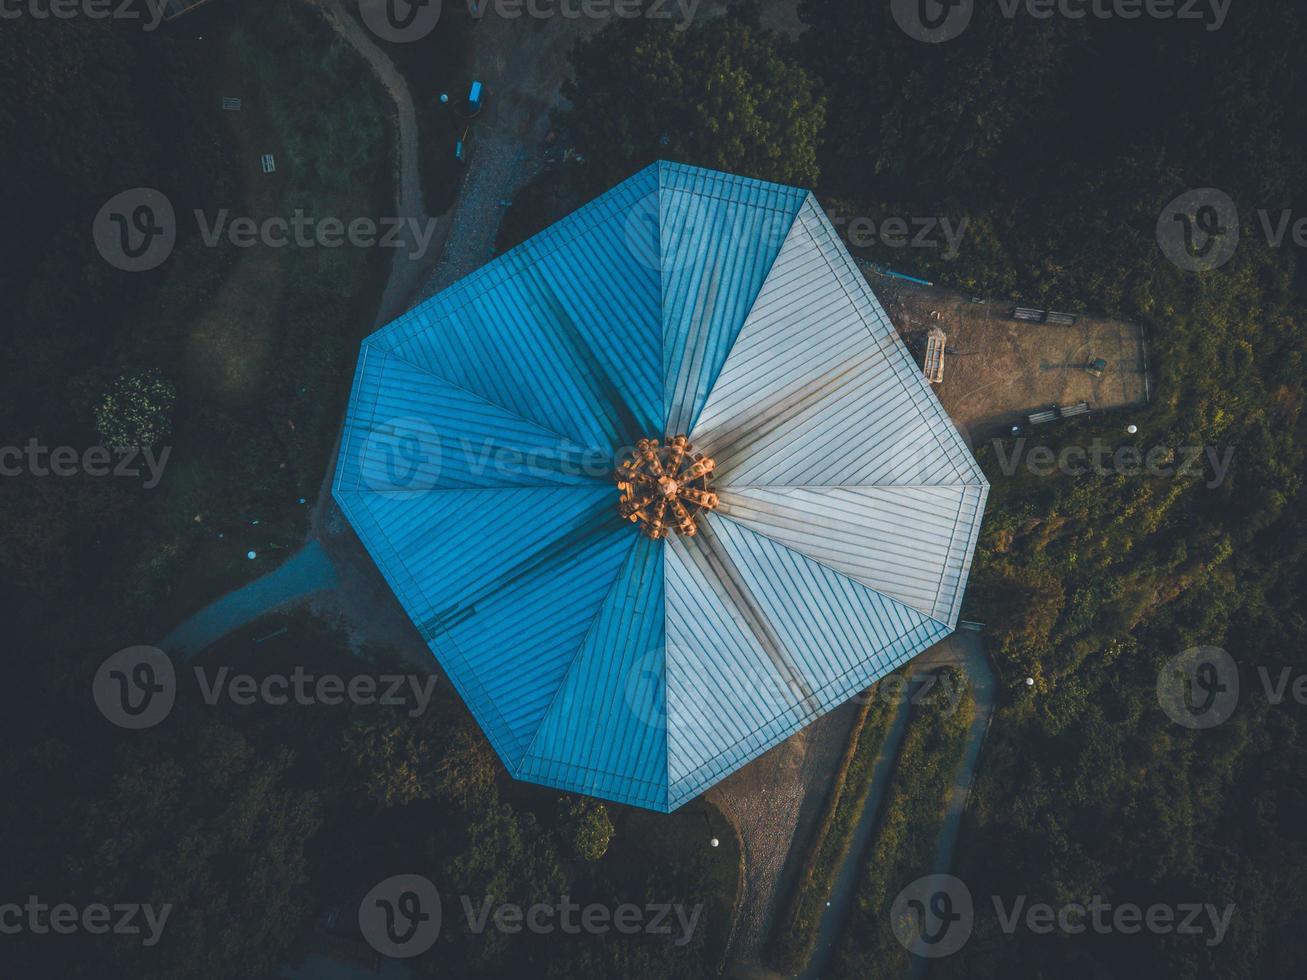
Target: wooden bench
933,362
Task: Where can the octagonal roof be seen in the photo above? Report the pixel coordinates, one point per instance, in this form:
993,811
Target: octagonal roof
477,468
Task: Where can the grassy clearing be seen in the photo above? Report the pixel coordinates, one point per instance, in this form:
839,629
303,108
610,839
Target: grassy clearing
908,828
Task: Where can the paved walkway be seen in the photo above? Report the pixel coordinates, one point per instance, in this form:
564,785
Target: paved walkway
963,649
838,904
307,571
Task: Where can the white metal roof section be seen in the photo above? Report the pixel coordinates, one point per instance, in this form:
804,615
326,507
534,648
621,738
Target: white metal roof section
912,544
819,390
830,442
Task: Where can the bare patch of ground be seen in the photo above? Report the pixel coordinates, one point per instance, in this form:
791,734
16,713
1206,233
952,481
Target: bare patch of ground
227,349
1004,368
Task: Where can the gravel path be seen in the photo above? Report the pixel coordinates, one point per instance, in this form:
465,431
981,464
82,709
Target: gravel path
962,649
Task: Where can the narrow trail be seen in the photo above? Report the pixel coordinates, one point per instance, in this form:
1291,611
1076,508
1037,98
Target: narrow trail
837,911
305,572
963,649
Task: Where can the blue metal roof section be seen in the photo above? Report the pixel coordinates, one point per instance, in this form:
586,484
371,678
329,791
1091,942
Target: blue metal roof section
477,468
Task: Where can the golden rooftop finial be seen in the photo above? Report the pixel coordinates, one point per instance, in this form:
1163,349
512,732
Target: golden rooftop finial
663,487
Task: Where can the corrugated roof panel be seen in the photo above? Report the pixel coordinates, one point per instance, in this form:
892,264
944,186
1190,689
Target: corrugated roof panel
606,731
731,691
476,466
833,636
482,557
563,330
409,431
906,542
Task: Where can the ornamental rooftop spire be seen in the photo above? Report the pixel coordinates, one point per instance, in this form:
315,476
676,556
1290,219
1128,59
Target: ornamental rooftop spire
665,486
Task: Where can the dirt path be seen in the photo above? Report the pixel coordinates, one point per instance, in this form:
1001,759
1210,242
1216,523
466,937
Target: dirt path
522,64
405,272
844,886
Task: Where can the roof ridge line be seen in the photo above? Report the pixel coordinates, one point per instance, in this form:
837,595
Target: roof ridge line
571,666
423,369
753,305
